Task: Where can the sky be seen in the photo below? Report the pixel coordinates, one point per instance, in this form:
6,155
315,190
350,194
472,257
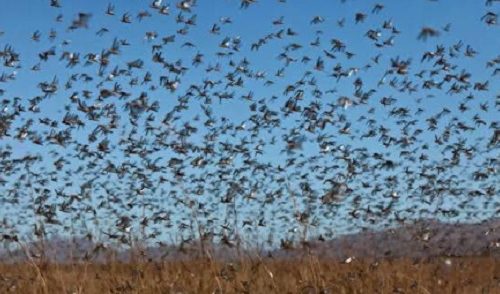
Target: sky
20,19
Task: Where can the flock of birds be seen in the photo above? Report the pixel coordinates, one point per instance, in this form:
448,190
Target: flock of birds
197,132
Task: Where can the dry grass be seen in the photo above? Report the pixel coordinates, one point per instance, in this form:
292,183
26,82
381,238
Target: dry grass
307,275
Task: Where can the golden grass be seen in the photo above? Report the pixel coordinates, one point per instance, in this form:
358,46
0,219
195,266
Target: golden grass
304,275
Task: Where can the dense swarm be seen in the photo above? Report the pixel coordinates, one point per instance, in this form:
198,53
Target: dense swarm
145,124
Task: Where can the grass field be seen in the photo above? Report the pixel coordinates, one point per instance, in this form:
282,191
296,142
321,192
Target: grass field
260,275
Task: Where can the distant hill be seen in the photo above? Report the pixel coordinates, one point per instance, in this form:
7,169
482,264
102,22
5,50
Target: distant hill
426,238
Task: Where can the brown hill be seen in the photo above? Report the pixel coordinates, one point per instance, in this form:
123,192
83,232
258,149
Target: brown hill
427,238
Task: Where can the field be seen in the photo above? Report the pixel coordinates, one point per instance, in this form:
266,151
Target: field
307,274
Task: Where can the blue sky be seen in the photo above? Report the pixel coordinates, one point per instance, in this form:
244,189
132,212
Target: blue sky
19,19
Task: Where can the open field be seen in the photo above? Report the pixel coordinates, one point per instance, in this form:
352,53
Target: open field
304,275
